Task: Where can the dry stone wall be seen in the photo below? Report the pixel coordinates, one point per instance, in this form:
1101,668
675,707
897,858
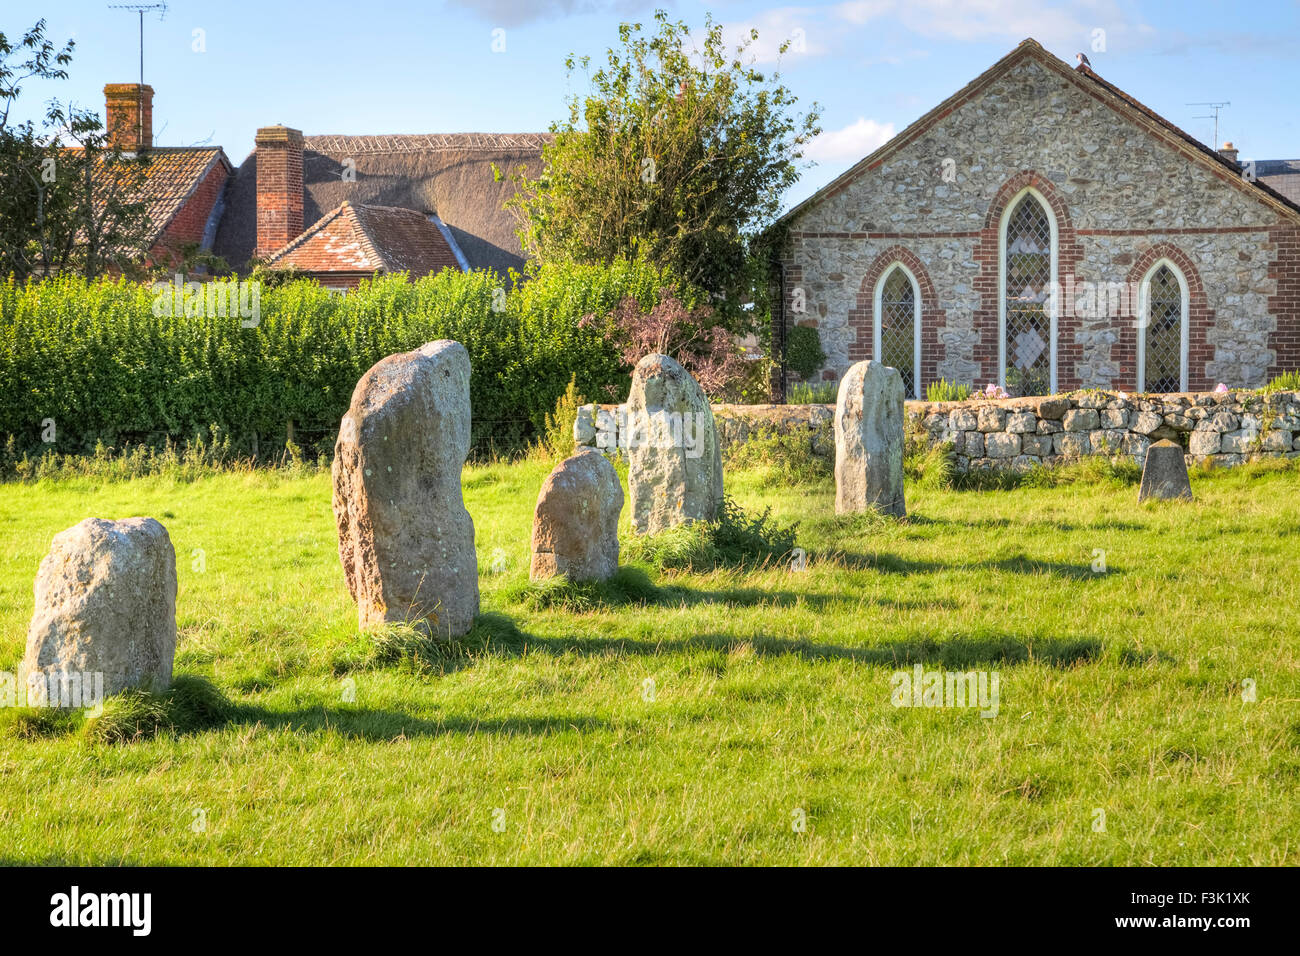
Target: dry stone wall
1226,428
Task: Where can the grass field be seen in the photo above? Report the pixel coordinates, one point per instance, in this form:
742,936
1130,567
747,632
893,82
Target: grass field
540,740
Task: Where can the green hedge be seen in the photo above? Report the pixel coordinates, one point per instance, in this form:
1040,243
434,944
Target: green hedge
93,357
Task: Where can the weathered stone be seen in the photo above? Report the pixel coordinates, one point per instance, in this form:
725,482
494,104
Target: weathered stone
674,456
584,425
1204,443
105,605
1021,423
1092,400
1275,440
1002,444
1046,427
1080,420
1164,475
1114,418
1072,444
965,419
1039,445
992,418
1145,422
1239,442
405,538
575,523
869,440
1053,407
1136,445
1178,422
973,444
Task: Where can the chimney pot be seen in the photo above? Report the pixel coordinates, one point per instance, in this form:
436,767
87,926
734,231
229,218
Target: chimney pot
1229,152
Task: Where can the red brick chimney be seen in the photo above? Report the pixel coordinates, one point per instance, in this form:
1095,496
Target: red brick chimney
128,116
279,187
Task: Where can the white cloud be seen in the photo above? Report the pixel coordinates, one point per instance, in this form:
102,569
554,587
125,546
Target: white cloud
798,26
1069,24
850,143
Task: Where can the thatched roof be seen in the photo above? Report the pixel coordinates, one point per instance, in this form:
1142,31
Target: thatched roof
448,175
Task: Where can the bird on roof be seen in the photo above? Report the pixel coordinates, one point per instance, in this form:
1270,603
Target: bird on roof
1083,60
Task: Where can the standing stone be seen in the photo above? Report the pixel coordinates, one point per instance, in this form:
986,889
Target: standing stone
1165,473
575,525
674,459
869,440
106,604
405,538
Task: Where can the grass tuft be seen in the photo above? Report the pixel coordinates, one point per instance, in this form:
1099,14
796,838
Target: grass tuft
735,539
628,585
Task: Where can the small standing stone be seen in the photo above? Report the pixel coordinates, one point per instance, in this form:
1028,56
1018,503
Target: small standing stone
405,538
674,458
106,604
869,440
1165,473
575,525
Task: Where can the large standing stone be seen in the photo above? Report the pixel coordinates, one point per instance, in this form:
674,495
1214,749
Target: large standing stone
1165,473
575,525
674,459
869,440
106,604
405,538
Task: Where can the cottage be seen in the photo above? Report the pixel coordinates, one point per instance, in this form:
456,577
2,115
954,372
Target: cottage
339,208
344,207
1044,230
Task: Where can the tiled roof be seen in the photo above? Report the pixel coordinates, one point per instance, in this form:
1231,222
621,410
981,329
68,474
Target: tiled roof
369,239
1283,175
171,175
450,175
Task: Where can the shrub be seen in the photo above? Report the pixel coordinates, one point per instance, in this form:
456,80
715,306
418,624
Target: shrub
1286,382
787,458
803,351
946,391
556,441
691,334
92,358
813,393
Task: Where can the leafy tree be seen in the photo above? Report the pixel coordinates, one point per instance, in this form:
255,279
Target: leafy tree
678,154
68,199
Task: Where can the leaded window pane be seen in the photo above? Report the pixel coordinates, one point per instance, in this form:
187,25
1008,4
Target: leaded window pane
898,327
1028,285
1164,332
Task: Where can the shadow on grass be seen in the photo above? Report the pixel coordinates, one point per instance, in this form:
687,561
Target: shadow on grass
377,725
500,635
633,587
1017,564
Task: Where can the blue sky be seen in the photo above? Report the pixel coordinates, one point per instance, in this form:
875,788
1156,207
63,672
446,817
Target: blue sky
874,65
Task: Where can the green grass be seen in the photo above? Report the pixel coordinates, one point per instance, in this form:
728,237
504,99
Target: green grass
685,716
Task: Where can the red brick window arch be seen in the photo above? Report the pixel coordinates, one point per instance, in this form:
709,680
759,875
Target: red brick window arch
896,325
1027,305
900,323
1163,339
